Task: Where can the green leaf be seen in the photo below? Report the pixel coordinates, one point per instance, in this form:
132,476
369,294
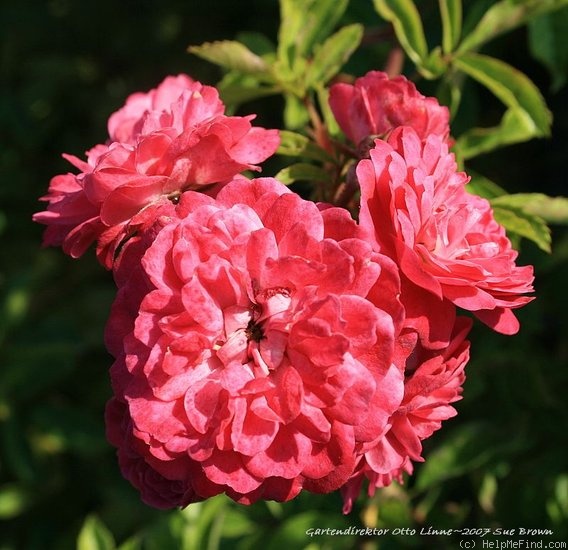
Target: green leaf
301,172
449,91
550,209
94,535
231,55
407,24
527,116
200,521
505,16
167,532
295,113
394,508
517,220
487,493
304,23
482,186
292,533
297,145
451,13
548,42
238,524
510,85
333,54
470,446
557,505
516,126
14,500
236,88
133,543
561,493
328,116
235,94
435,65
257,42
275,508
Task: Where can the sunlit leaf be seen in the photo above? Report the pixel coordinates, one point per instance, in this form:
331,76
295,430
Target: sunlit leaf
510,85
505,16
94,535
527,115
201,520
328,116
550,209
407,24
333,53
304,23
451,12
519,221
301,172
231,55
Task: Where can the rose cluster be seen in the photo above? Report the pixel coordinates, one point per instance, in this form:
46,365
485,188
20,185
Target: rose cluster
264,344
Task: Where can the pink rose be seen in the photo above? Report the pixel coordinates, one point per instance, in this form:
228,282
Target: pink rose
377,104
72,220
144,112
433,381
176,138
445,240
256,365
155,489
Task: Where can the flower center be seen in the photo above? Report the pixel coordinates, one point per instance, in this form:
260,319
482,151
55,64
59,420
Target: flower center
174,197
255,335
253,331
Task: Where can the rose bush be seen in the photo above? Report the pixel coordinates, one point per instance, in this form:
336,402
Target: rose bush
264,344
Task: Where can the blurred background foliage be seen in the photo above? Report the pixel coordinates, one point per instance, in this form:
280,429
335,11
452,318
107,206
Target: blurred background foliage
65,65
